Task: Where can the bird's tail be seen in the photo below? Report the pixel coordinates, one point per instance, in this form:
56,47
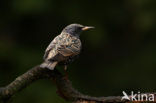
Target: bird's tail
49,65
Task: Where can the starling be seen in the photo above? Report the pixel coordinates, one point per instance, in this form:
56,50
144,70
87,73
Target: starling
65,47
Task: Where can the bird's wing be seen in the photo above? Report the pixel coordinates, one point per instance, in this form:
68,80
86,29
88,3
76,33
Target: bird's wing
51,47
63,44
69,46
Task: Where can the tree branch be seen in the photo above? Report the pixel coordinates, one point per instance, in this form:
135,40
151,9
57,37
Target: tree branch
64,86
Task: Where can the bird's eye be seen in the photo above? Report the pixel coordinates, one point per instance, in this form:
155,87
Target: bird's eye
80,28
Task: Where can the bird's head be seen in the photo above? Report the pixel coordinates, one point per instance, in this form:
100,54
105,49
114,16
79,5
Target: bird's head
76,29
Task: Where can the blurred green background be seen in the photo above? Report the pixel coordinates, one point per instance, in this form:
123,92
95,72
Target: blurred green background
119,54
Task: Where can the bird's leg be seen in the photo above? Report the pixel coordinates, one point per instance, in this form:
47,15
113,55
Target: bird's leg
65,67
65,70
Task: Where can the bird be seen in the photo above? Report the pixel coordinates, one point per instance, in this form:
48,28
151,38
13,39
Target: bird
65,47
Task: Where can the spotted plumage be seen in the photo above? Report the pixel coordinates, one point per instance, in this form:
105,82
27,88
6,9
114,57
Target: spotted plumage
65,47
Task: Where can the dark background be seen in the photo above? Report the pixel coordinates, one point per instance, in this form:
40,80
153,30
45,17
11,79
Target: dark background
119,54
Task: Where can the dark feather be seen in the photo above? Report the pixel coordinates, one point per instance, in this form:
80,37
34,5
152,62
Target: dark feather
62,48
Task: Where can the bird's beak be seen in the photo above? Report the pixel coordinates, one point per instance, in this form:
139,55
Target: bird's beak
87,28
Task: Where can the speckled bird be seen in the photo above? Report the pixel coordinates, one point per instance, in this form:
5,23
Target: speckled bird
65,47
